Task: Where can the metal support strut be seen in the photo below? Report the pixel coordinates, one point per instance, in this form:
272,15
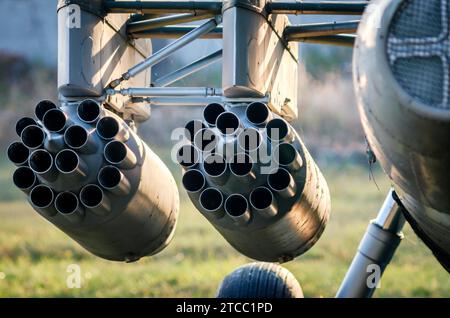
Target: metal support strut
150,24
167,51
375,251
215,7
295,32
188,69
347,40
167,91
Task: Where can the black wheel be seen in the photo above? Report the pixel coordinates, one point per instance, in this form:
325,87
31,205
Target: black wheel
260,280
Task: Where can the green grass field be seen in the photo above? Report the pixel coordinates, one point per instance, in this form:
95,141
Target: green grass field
34,255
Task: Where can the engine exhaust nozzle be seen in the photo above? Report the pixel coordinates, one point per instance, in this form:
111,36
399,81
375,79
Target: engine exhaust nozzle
243,169
216,168
41,162
206,140
118,154
42,200
25,179
33,137
188,156
113,180
236,206
250,140
211,112
79,139
278,130
68,205
18,154
282,183
258,114
192,128
228,123
42,108
55,120
94,199
211,200
87,172
109,128
194,182
263,202
89,111
23,123
287,156
71,166
256,182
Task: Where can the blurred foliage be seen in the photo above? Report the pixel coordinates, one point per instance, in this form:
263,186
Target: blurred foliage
22,85
22,81
320,60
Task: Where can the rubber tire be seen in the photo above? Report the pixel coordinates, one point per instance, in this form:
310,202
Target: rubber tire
260,280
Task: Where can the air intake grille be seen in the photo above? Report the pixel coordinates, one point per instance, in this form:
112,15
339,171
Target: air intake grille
419,50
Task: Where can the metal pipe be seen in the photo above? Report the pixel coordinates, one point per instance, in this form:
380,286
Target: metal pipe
169,91
176,32
226,146
282,183
163,7
258,114
228,123
318,7
41,198
42,107
375,251
18,154
236,207
41,162
278,130
68,205
216,169
109,128
211,112
339,40
263,202
188,69
243,169
194,182
69,163
149,24
25,179
188,156
118,154
113,180
211,201
250,139
192,128
94,199
79,139
54,142
183,101
287,156
33,137
295,32
167,51
205,140
389,217
89,111
23,123
55,120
